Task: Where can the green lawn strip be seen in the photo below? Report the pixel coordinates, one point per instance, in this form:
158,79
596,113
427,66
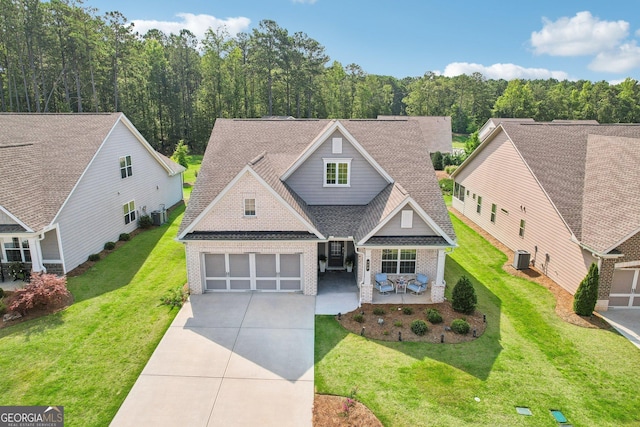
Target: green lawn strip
190,175
88,356
527,356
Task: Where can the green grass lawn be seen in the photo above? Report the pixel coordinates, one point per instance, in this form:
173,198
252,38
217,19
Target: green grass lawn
459,140
190,174
527,357
87,357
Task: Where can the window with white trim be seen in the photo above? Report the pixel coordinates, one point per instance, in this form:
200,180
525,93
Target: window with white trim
479,204
406,221
249,207
129,210
337,172
17,250
458,191
125,167
399,261
493,212
522,225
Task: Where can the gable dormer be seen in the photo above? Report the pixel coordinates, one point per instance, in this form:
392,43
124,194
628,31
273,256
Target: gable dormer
335,169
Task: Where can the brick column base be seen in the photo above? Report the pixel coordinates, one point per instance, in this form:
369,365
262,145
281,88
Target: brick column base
366,293
437,292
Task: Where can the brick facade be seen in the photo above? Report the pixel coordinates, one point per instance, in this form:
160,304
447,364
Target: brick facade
631,250
309,250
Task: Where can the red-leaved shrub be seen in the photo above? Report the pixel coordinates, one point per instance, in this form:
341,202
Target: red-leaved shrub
44,290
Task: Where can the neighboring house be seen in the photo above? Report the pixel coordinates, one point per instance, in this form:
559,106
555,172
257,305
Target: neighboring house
437,127
566,192
72,182
273,195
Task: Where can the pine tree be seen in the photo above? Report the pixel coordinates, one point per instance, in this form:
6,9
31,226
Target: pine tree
463,298
584,301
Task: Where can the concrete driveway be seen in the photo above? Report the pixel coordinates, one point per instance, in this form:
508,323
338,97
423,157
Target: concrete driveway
229,359
626,321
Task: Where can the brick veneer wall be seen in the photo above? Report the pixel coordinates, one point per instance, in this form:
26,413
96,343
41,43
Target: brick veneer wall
631,251
308,249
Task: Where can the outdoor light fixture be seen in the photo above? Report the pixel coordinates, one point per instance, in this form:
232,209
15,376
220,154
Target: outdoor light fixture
484,318
474,333
368,264
442,338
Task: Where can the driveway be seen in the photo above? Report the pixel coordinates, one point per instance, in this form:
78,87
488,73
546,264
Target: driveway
626,321
229,359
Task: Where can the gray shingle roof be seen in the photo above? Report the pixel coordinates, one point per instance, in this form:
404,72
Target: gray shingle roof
42,156
576,164
436,131
250,235
397,145
407,241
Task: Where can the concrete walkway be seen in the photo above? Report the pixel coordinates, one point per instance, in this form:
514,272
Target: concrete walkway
229,359
626,321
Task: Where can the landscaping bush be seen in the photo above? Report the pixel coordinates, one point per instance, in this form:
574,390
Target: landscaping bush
446,186
419,327
463,297
180,154
124,237
42,291
3,307
145,221
450,169
407,310
379,311
584,301
110,246
1,292
433,316
17,270
436,159
397,324
94,257
358,317
175,297
460,326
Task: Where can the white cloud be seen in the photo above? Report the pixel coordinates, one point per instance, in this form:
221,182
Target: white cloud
197,24
503,71
582,34
624,58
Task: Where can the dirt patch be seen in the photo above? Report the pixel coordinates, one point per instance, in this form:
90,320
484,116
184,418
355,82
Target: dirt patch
442,175
564,300
396,321
329,411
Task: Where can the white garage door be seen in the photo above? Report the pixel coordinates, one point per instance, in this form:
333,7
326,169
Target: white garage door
244,272
625,289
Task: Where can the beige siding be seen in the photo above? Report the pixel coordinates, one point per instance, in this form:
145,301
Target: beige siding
195,250
419,228
500,177
93,214
228,213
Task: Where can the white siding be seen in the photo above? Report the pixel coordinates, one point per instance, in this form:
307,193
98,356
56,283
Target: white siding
500,177
49,246
419,228
308,179
93,215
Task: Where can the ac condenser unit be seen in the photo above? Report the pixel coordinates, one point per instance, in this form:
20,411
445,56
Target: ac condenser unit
521,259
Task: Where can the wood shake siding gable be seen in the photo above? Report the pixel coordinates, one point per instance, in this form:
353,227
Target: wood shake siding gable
95,207
308,180
499,175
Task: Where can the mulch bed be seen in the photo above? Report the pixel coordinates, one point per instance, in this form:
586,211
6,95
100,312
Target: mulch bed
34,313
330,411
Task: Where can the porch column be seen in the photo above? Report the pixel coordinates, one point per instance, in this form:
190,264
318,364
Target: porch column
437,287
36,255
366,290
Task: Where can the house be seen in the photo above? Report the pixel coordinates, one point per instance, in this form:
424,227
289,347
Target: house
72,182
273,195
566,192
437,127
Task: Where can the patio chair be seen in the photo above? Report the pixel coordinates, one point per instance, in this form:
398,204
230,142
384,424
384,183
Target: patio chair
419,284
383,284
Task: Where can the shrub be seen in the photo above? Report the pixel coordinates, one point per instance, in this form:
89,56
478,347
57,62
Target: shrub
434,316
463,297
358,317
436,159
145,221
124,237
17,270
42,291
584,301
450,169
460,326
446,186
175,297
110,246
94,257
1,292
419,327
180,154
407,310
3,307
379,311
397,324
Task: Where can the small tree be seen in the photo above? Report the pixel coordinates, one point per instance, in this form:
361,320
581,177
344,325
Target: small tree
43,290
584,301
436,159
463,298
180,154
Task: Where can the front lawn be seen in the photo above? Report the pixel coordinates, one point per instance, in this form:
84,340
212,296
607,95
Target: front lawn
527,357
87,357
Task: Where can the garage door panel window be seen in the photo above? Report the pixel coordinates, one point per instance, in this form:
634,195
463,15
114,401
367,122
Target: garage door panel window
253,271
622,281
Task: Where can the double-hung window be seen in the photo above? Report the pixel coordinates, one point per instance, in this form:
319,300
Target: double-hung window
249,207
337,172
129,212
493,213
479,204
399,261
125,167
522,225
17,250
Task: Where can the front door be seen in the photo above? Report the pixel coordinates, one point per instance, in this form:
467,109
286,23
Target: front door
336,254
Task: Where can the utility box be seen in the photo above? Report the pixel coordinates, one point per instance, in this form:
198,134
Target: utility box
521,259
157,218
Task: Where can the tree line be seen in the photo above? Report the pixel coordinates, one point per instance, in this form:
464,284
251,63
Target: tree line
62,56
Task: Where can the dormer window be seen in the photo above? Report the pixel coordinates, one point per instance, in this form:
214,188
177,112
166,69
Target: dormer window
125,167
337,172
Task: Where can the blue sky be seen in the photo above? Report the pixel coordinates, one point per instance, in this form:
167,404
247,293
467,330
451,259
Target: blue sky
563,39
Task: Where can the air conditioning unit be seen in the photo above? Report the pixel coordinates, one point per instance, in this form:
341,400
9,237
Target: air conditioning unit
157,217
521,259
